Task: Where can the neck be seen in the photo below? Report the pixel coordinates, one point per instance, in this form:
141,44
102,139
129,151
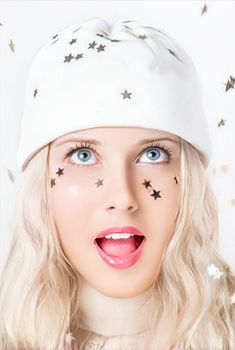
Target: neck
110,316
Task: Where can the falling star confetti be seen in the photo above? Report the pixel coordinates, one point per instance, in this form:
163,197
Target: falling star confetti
54,37
100,48
156,194
10,175
126,94
54,41
76,30
52,182
221,122
230,83
92,45
214,271
12,46
78,56
68,58
142,36
60,172
99,182
232,299
73,41
204,9
35,93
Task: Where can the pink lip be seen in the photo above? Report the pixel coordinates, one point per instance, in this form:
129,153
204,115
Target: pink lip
124,261
120,229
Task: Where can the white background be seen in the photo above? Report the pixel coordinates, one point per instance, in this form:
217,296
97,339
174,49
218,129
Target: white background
209,39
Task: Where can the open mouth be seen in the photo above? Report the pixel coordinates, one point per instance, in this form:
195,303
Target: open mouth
119,247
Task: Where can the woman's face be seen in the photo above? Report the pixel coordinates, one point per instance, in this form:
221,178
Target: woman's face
115,180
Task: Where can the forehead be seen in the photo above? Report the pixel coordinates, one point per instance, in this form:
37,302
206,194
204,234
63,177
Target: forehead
122,134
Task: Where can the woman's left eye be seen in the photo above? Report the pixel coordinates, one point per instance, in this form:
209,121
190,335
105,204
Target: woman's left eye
159,154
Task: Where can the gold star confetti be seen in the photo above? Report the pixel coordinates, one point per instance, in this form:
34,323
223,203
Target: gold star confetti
10,175
73,41
232,299
99,182
92,45
52,182
60,172
146,184
156,194
221,123
126,94
68,58
12,46
100,48
35,93
204,9
79,55
214,271
224,168
142,36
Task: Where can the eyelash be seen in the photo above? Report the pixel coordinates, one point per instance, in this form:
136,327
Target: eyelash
87,145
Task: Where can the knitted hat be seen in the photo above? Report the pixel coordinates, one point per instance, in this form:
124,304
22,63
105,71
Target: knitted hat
92,75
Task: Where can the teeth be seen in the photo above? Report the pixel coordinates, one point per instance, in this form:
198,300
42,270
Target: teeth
119,235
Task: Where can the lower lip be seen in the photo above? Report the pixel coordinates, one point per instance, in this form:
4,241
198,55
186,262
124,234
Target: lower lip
123,262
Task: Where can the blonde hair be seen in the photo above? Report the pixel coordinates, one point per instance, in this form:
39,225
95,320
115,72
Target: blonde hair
39,286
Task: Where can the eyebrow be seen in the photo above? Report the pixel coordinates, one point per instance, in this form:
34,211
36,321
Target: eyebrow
96,142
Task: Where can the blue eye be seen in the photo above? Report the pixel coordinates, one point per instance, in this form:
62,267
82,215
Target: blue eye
83,153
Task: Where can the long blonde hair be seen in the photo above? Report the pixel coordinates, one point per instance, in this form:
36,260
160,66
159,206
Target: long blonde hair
39,286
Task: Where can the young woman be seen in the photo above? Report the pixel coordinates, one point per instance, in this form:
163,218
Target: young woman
116,225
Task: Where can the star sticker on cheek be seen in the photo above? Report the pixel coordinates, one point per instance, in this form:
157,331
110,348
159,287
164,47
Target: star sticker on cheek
79,55
52,182
146,184
156,194
126,94
60,172
142,36
99,182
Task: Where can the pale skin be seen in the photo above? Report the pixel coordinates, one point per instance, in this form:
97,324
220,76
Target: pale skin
81,209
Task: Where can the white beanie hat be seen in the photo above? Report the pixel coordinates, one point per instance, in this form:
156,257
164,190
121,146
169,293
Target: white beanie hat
92,75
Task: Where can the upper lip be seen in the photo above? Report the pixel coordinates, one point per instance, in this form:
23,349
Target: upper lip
120,229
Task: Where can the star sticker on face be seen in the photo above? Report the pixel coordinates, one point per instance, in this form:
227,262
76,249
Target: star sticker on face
100,48
156,194
99,182
92,45
73,41
52,182
126,94
60,172
68,58
79,55
35,93
146,184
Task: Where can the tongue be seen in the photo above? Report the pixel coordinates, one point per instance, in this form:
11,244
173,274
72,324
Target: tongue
118,247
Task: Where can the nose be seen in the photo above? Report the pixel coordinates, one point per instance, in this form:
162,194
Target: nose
120,191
